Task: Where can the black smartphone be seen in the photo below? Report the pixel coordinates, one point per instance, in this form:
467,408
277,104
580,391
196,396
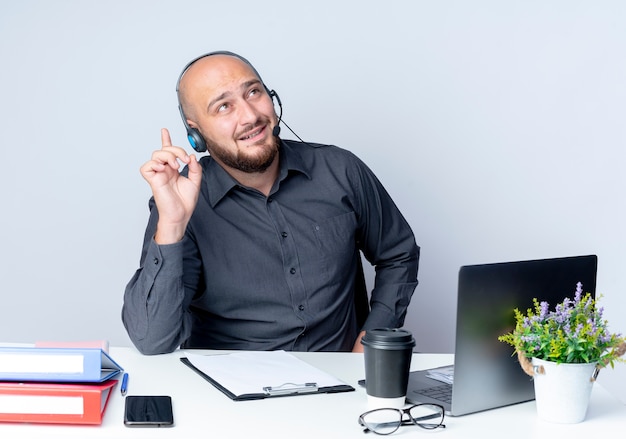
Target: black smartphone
148,411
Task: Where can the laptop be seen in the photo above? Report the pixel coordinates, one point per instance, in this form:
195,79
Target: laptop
485,373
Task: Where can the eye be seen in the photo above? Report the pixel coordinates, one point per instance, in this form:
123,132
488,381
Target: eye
253,92
223,107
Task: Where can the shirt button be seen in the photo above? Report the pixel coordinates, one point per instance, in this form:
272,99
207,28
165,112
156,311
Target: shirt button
284,234
301,307
292,271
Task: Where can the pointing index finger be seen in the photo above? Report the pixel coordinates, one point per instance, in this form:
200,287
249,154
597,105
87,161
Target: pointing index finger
166,140
177,153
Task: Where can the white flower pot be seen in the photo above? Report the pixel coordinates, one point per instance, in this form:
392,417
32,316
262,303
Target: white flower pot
562,392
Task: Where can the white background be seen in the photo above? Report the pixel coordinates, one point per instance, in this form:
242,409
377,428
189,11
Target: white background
497,126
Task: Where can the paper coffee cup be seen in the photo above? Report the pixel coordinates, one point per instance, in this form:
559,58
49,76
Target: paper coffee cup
387,354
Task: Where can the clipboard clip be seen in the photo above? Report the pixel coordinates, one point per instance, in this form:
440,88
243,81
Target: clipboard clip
290,388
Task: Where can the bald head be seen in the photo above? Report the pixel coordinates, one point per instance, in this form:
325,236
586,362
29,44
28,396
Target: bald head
206,78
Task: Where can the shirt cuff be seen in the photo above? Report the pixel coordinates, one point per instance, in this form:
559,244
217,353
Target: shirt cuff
380,317
167,258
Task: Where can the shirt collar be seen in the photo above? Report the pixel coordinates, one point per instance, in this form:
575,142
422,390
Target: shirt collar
218,183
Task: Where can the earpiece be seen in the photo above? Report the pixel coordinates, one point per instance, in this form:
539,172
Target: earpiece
196,140
193,135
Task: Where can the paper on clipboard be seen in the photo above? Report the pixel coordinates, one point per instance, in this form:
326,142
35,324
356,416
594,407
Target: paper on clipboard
257,373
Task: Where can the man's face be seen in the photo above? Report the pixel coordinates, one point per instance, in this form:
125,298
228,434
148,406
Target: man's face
228,104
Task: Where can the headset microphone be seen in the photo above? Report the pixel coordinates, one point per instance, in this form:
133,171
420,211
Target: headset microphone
276,129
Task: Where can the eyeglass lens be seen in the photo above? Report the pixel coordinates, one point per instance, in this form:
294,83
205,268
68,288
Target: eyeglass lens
427,415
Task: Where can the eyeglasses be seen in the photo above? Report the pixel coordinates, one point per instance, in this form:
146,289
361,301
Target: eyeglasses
387,420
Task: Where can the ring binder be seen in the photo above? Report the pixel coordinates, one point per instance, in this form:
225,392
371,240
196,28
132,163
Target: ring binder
290,388
49,364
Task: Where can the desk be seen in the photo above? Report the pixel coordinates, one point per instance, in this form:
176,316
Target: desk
201,411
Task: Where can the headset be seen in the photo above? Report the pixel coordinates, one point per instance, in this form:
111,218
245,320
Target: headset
195,138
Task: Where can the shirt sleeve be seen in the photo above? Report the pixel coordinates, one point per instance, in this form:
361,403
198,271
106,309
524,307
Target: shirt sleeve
388,243
155,310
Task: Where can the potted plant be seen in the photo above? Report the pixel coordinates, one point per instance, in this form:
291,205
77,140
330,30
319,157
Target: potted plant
563,350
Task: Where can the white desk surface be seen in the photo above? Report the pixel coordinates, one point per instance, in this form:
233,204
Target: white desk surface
201,411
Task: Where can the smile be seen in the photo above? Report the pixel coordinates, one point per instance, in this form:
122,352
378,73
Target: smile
252,134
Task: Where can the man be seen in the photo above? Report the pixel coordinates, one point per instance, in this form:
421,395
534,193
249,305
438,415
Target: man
257,246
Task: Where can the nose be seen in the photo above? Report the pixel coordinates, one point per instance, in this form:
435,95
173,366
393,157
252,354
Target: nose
247,113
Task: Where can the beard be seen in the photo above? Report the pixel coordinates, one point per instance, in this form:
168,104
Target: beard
244,162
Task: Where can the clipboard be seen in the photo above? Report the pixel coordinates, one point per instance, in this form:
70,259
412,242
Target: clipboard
257,375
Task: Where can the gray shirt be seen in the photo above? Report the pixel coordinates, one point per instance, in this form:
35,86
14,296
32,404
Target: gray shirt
277,272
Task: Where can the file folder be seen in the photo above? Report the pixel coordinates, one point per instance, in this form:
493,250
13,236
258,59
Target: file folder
56,364
54,403
258,375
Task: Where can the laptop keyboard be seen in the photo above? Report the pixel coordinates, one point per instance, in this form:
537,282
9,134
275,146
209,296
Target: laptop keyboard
442,392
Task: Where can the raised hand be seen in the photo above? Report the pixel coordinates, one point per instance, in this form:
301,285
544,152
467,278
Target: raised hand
175,196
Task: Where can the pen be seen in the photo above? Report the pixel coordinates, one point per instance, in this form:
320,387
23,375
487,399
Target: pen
124,387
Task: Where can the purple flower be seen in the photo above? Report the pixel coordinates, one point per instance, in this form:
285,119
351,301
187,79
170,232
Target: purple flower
579,292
